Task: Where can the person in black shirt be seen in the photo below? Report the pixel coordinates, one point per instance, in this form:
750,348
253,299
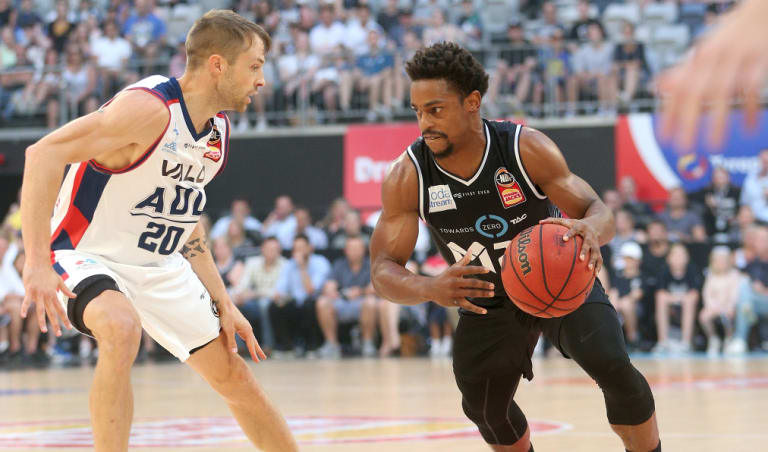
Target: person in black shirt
578,33
514,69
753,294
719,202
629,63
477,184
679,285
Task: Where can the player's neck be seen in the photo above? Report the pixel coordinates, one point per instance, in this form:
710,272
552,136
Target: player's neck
197,97
468,154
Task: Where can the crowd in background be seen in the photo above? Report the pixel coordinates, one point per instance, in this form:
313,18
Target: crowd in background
692,276
343,60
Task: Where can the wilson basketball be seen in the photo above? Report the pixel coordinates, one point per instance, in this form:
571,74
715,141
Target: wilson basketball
542,273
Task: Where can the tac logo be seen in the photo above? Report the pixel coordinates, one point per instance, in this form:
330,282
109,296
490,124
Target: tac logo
214,145
223,432
440,198
691,168
509,190
491,226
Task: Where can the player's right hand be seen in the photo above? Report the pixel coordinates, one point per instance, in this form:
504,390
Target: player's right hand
451,289
40,286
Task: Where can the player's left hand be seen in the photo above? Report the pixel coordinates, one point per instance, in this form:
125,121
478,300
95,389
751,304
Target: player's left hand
590,247
233,322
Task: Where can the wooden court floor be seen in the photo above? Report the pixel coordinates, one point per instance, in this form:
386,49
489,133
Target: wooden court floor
393,405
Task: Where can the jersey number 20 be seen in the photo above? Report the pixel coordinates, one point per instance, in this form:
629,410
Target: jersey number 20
158,234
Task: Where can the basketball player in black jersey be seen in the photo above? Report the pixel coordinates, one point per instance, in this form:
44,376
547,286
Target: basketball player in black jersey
477,184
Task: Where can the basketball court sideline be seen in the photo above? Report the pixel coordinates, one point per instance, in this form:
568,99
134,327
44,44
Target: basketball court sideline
392,405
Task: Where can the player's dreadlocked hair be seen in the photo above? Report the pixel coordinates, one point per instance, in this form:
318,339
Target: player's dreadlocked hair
448,61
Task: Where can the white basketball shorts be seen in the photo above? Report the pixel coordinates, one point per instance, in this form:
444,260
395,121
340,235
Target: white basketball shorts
173,305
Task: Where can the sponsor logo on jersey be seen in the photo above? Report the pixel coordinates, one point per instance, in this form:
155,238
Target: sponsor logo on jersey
84,264
214,145
491,226
509,190
440,198
171,146
459,230
467,194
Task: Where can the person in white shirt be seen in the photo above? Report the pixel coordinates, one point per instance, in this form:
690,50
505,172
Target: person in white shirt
327,34
240,211
281,222
754,192
254,291
593,64
112,52
357,30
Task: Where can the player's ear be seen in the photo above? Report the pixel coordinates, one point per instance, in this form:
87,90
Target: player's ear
472,102
216,64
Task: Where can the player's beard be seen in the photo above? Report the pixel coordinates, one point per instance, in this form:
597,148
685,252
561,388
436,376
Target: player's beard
445,153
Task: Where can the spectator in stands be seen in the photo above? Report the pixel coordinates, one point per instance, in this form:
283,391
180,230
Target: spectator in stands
240,212
754,191
229,268
373,75
612,200
627,289
112,54
719,295
683,223
405,25
357,32
297,71
655,252
178,63
439,30
401,83
579,29
242,244
555,63
7,13
389,17
60,29
14,80
281,222
146,32
333,223
720,203
547,23
593,65
27,14
625,232
680,285
347,297
328,34
424,11
440,326
316,236
471,24
292,311
629,201
48,87
630,65
745,222
753,294
254,290
79,79
353,227
514,69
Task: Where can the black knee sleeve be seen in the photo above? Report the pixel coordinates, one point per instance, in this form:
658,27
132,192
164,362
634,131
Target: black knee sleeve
489,404
88,289
628,398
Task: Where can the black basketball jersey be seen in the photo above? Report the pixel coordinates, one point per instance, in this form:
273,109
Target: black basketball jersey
483,214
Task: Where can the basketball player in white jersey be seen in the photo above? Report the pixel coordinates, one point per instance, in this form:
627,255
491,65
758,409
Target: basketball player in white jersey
125,250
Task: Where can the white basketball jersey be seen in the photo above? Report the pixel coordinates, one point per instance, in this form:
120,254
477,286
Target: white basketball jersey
146,211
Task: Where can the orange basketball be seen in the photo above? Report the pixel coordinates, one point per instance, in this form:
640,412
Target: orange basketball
542,274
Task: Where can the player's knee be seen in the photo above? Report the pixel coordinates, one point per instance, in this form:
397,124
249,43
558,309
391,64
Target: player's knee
628,398
114,328
498,423
229,379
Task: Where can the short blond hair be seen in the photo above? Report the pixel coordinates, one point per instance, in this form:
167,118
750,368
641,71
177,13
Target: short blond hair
222,32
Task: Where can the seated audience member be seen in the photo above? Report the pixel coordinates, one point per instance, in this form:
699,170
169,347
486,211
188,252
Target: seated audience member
229,268
373,75
629,63
281,222
683,224
253,292
679,286
753,294
593,66
720,203
242,245
23,334
317,237
440,326
239,211
292,311
625,232
719,295
352,228
754,191
347,297
514,69
640,210
627,289
333,223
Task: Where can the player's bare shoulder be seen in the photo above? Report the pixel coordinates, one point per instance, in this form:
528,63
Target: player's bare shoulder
540,156
400,188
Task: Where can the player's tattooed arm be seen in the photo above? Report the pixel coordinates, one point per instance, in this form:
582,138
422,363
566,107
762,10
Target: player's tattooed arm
194,247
